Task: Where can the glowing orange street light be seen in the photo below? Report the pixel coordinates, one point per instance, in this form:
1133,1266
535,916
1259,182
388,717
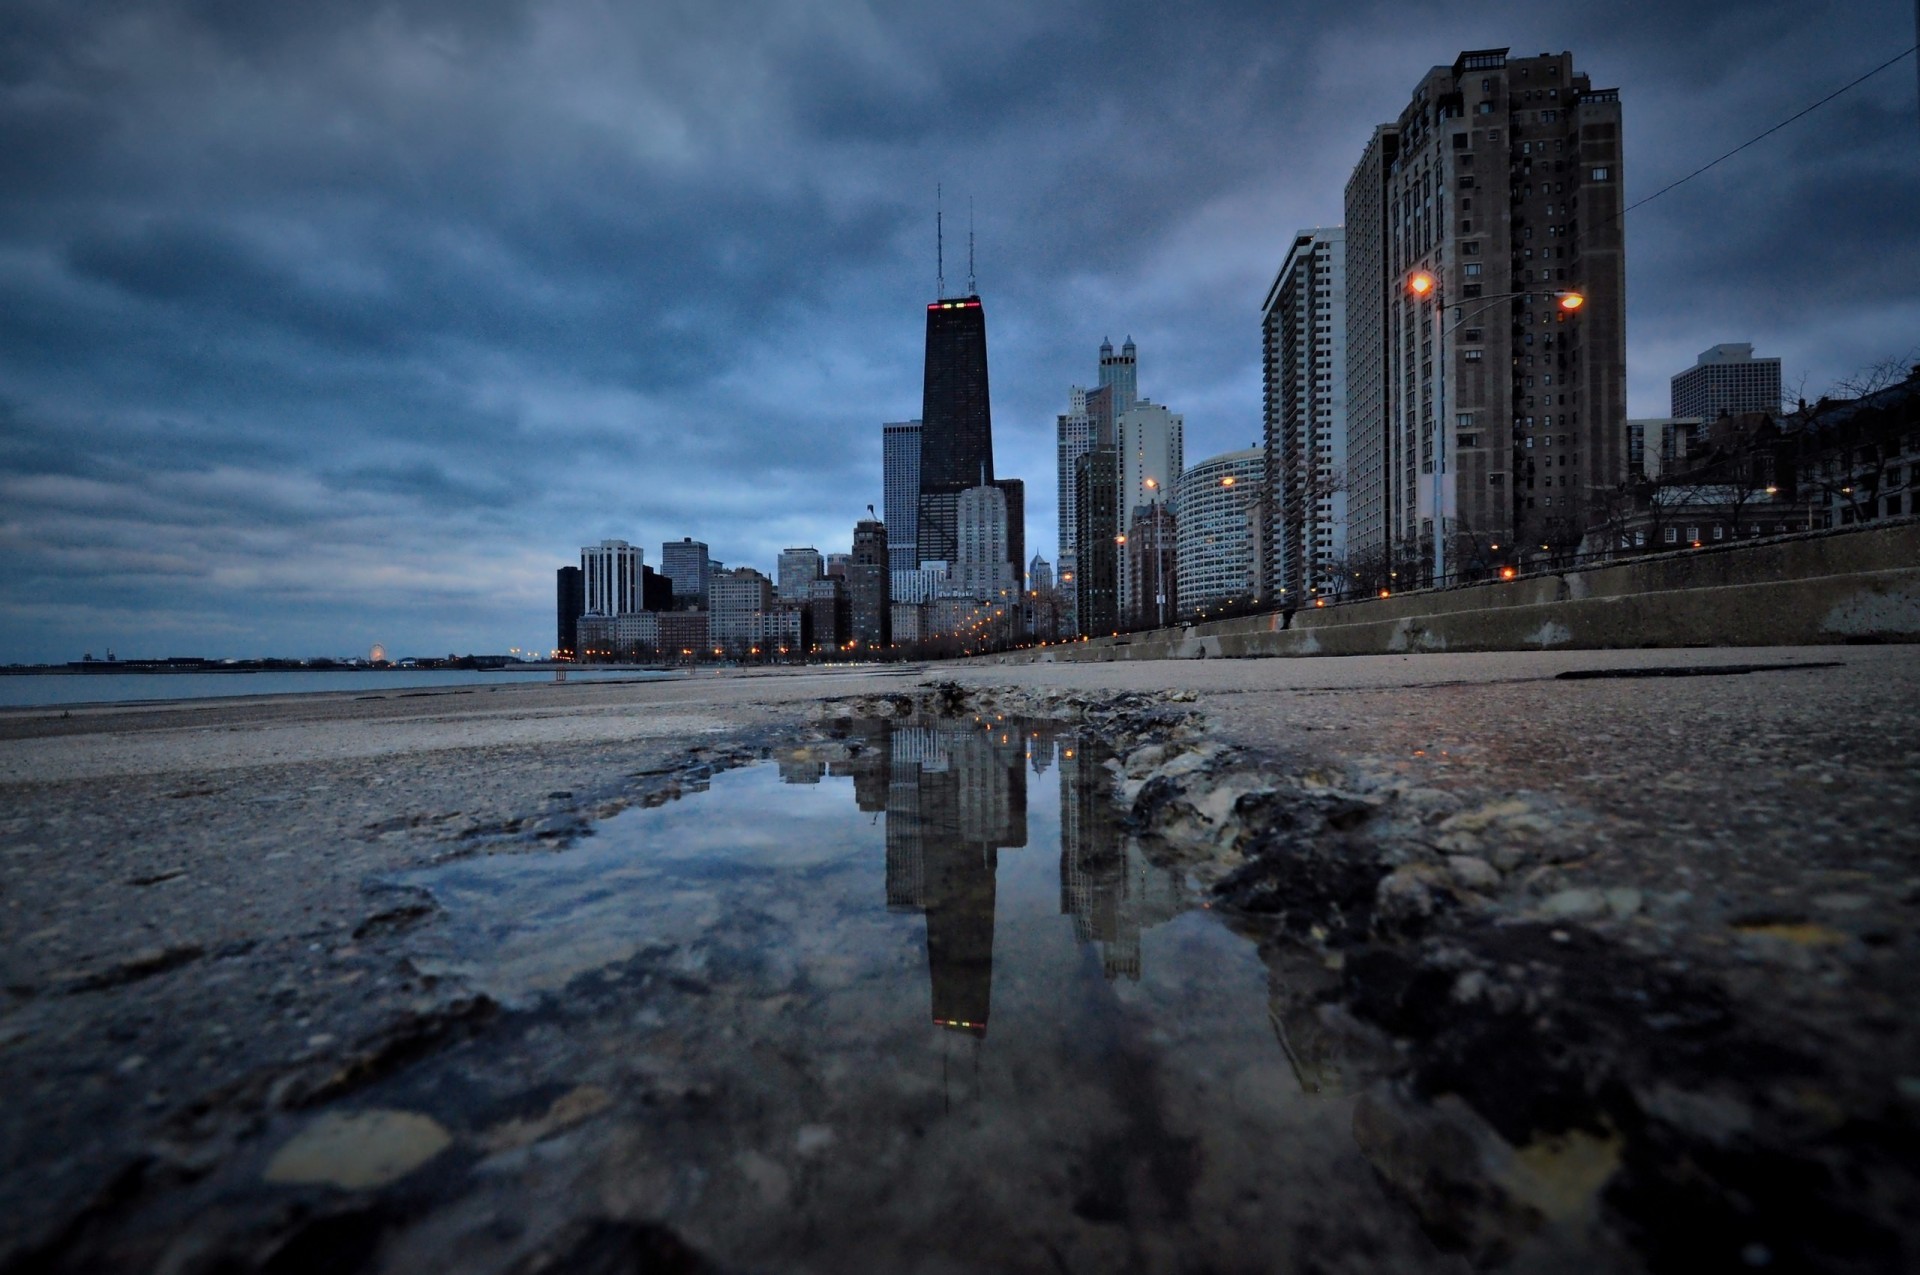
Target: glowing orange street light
1421,283
1571,301
1508,573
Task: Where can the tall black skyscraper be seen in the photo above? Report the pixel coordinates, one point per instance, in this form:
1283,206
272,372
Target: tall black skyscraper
571,599
956,430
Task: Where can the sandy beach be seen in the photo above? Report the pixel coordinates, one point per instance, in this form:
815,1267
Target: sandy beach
202,936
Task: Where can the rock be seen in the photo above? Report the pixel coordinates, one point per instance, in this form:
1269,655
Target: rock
359,1150
1411,892
1478,820
1575,905
1623,903
1471,873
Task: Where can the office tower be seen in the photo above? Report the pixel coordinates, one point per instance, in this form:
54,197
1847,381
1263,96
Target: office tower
1215,547
868,580
1073,439
1120,373
736,601
1150,455
1040,574
1096,478
837,564
1371,290
1015,490
981,568
570,604
900,492
686,564
798,569
1303,333
1500,180
610,572
1727,381
956,432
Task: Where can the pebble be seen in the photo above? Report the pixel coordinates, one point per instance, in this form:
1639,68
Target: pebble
1575,905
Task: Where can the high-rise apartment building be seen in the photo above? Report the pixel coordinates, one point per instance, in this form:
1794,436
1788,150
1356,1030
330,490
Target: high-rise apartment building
900,492
1303,337
868,594
1096,478
956,432
1371,290
1040,574
1216,545
1727,381
1151,453
798,569
686,564
570,603
1501,181
610,574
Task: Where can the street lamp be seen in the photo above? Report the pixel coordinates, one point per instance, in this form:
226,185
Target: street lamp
1425,286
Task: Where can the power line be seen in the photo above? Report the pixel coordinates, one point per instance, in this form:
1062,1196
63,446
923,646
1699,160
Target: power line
1770,132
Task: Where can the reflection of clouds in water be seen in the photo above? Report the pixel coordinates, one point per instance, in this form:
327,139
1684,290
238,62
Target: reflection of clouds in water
524,924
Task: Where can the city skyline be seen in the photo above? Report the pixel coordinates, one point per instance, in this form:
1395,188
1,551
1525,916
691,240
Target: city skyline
278,382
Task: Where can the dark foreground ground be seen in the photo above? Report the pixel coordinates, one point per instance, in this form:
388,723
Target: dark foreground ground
1611,956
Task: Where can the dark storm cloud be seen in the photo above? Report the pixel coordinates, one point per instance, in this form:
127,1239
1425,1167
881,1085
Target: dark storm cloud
325,324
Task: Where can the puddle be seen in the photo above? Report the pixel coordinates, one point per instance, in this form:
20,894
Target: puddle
923,1008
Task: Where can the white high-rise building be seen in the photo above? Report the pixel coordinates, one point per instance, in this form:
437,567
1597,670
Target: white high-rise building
1727,381
610,576
1152,448
1304,341
982,569
1215,541
738,600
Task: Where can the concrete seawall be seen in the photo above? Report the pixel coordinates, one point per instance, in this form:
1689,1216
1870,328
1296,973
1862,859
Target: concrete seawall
1853,586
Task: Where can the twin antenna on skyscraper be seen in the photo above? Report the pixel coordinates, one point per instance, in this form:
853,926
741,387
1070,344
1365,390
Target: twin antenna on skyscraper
940,245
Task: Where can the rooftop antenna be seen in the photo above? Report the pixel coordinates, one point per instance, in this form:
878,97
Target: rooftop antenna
939,246
972,289
871,514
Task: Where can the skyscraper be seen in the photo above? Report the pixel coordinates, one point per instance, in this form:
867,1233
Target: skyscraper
867,580
1120,373
1216,546
1370,292
685,562
570,603
798,569
1149,458
611,574
1503,185
900,492
980,568
1073,439
956,432
1015,490
1096,493
1304,353
1727,381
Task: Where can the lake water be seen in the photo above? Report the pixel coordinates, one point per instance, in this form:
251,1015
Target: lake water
33,690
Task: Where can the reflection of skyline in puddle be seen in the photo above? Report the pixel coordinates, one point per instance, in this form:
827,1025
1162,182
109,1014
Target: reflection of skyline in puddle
954,796
744,979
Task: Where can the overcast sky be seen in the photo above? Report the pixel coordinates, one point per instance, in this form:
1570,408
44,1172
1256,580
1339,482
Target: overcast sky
328,324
